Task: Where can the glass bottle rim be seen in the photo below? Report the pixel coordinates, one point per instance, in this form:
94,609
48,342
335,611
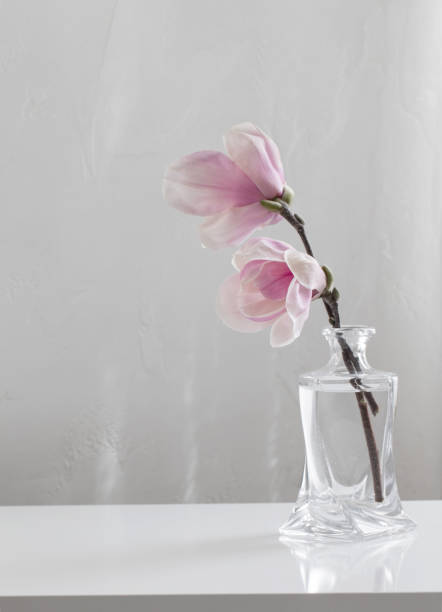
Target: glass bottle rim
359,330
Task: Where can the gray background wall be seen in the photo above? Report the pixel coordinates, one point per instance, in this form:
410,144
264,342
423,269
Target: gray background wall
117,381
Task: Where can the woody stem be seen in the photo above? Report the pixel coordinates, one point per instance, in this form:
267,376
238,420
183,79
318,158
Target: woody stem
365,399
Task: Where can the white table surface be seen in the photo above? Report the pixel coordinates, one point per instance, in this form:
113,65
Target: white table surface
202,549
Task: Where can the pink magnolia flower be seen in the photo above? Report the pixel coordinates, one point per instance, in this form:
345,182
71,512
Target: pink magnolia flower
274,286
227,189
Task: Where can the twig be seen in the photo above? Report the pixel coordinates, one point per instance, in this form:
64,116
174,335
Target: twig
364,398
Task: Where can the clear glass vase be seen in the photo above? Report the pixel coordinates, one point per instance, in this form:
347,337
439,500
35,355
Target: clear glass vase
349,489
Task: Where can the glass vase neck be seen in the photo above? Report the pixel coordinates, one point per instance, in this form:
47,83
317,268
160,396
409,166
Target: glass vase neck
348,337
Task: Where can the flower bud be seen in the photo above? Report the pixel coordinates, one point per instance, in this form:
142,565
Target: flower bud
328,280
271,205
335,294
287,194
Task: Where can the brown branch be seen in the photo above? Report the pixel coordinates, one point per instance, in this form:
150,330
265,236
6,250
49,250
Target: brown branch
364,398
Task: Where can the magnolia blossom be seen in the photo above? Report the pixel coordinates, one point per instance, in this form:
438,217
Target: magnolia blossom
227,189
273,287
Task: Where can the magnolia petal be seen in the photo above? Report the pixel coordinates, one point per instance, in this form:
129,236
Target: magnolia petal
266,276
298,300
285,330
306,270
253,305
227,307
258,156
206,183
250,272
259,248
233,226
272,279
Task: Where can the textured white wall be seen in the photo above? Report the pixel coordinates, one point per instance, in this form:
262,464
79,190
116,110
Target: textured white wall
117,381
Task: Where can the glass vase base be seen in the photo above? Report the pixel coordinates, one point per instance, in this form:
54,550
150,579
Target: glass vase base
344,520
